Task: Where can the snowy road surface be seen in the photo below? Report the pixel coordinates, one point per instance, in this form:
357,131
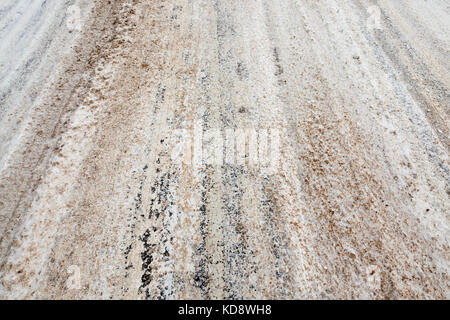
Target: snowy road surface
134,137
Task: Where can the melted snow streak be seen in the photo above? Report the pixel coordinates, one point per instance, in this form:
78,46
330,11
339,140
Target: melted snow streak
95,204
